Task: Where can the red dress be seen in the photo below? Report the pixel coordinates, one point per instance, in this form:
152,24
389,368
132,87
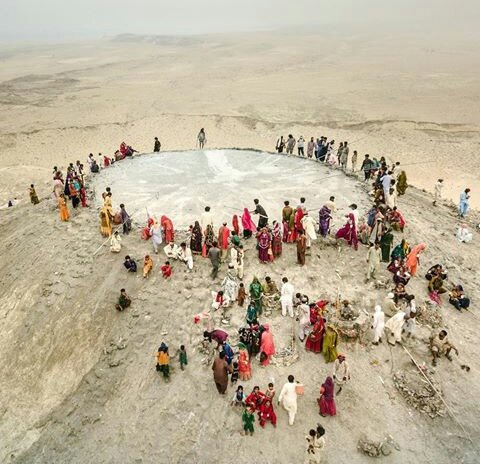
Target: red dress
266,413
168,231
236,227
326,402
314,341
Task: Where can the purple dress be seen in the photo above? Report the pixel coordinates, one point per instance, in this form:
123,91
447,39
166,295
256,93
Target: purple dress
324,220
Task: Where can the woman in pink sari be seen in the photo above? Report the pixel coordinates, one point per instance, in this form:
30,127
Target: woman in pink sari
247,224
264,241
326,402
349,232
267,347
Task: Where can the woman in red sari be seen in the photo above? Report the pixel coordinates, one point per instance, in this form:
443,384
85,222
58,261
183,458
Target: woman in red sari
168,231
326,402
248,225
277,240
83,195
264,240
298,219
314,341
349,232
146,234
266,413
236,227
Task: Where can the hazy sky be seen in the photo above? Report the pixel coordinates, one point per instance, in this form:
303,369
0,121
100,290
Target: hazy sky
64,19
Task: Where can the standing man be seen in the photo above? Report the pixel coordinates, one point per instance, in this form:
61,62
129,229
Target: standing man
288,399
438,191
214,255
341,372
301,146
354,160
156,145
464,205
223,239
373,259
287,293
201,138
386,181
366,167
220,373
290,144
259,209
344,156
310,148
206,219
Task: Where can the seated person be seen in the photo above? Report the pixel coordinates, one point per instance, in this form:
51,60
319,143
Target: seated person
463,234
166,270
185,255
458,299
123,300
436,270
130,264
436,285
402,276
439,345
172,251
399,293
255,399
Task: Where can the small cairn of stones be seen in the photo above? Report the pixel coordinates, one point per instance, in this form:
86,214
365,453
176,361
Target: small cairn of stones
419,394
377,449
430,315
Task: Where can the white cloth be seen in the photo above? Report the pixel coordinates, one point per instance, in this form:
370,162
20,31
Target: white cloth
206,219
156,232
463,235
287,293
395,325
304,322
309,225
230,286
115,243
172,252
186,257
378,323
288,399
386,181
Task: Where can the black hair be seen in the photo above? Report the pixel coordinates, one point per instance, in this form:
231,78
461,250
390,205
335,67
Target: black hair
284,279
122,290
182,347
207,208
222,354
291,378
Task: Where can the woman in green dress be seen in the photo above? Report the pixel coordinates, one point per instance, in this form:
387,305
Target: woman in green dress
256,290
386,243
402,183
330,342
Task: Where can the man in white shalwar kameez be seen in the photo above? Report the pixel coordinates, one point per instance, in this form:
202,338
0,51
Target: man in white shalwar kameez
309,225
378,324
288,399
206,219
172,251
304,320
287,293
156,233
394,327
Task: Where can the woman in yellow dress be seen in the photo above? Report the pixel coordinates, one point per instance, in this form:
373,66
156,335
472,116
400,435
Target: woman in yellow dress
64,214
106,216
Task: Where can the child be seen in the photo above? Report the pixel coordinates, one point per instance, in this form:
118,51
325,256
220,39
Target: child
147,266
241,295
163,359
130,264
183,357
238,397
123,300
33,195
266,413
270,393
166,270
248,420
234,378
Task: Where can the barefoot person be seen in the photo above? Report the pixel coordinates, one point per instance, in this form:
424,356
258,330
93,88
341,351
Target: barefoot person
220,373
288,398
441,345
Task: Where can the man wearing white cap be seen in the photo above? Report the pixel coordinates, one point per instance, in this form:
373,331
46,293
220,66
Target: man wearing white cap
389,306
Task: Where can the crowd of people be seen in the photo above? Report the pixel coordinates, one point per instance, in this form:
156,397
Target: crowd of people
296,226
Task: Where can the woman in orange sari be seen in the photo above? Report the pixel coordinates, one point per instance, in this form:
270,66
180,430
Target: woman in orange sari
413,258
106,216
168,231
64,214
244,367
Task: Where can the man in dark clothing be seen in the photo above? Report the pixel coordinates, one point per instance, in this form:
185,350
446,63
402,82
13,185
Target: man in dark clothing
214,255
259,209
157,145
367,167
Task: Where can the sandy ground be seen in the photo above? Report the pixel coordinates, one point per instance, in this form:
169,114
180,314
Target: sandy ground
413,99
79,383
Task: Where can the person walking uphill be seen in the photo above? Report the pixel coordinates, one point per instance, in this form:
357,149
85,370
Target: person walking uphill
220,373
260,210
214,255
288,398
